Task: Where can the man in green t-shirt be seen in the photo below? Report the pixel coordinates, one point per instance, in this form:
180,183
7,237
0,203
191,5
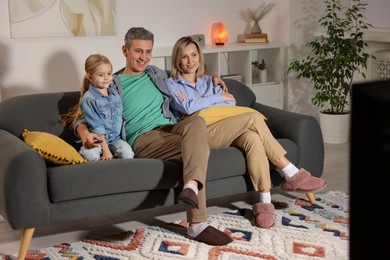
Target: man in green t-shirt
153,131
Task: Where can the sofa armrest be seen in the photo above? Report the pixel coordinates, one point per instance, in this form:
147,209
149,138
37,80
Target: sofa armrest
24,198
304,130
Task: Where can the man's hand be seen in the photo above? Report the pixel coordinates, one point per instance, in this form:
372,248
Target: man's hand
218,81
89,140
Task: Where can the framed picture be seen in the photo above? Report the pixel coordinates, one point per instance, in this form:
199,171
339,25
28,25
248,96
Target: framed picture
53,18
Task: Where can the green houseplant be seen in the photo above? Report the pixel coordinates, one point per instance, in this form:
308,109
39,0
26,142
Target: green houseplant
262,67
259,65
335,57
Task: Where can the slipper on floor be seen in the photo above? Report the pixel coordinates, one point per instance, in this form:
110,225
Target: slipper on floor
212,236
303,182
264,214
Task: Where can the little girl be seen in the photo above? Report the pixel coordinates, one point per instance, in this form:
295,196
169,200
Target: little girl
101,107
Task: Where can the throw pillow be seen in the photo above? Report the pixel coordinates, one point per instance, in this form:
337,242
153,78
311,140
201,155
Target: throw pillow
52,148
216,113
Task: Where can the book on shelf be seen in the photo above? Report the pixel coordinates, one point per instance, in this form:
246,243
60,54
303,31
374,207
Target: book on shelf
255,35
252,38
256,40
252,43
237,77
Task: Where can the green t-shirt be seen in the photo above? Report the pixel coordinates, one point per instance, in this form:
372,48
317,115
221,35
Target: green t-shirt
142,105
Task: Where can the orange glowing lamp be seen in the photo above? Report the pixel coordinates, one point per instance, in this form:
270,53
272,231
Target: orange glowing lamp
219,34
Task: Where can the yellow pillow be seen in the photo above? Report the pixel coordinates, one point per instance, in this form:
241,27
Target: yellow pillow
52,148
216,113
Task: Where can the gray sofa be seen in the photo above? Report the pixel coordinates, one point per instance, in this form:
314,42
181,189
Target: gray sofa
34,193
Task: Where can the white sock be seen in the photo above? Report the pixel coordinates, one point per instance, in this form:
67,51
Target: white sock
265,197
192,187
195,230
289,171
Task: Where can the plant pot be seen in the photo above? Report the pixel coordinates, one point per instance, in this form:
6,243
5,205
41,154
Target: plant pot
335,128
263,76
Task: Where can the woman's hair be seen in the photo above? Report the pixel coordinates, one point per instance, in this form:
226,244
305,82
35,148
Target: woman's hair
138,33
176,56
91,63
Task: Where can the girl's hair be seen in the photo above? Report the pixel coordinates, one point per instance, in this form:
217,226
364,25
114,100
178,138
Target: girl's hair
75,112
176,56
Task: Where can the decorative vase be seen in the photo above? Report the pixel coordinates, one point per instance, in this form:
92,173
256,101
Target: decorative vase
263,76
256,28
335,128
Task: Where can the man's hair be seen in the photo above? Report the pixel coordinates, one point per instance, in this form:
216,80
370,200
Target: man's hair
138,33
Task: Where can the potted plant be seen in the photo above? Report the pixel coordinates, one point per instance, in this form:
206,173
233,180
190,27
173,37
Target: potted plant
334,59
262,70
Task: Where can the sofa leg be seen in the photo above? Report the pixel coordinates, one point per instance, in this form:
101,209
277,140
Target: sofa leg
25,242
311,198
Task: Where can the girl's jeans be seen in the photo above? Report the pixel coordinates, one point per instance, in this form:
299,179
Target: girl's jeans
119,148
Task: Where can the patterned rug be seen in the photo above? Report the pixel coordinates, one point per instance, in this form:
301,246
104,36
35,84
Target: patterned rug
301,231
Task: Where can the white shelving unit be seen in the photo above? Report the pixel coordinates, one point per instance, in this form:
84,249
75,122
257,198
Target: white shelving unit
237,59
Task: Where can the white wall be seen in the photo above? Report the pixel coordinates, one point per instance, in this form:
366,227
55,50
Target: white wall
33,65
302,25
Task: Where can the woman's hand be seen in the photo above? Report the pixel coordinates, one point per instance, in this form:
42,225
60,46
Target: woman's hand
228,97
181,96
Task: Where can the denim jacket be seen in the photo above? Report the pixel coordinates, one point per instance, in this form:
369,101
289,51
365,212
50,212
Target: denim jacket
103,113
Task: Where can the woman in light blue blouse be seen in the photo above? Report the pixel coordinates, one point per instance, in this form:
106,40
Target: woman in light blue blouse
192,90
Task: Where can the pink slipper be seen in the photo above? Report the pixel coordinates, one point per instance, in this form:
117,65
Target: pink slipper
303,182
264,214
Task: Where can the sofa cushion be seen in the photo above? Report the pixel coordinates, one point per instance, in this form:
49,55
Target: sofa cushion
216,113
52,148
133,175
117,176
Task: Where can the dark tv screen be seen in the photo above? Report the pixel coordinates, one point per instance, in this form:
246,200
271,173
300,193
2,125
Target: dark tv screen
370,170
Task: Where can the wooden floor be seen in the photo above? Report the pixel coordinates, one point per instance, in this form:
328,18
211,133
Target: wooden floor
336,174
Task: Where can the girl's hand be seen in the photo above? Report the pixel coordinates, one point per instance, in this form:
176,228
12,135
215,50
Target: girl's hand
106,155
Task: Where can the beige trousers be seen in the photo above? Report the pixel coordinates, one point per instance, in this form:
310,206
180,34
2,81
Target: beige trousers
186,143
250,133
